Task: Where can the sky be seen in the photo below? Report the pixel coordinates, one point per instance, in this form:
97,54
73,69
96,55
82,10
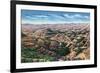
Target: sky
53,17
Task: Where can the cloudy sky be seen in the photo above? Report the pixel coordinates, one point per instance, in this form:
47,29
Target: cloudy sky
53,17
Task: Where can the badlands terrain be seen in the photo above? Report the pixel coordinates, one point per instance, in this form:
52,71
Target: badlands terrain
55,42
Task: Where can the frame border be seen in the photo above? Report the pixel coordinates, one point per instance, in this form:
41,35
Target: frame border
13,35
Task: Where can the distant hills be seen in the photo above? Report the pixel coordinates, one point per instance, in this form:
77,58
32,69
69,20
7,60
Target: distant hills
62,27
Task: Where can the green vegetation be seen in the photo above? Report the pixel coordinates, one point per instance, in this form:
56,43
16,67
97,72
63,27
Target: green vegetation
62,50
31,54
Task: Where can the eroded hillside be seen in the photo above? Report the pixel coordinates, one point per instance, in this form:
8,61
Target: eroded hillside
55,42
